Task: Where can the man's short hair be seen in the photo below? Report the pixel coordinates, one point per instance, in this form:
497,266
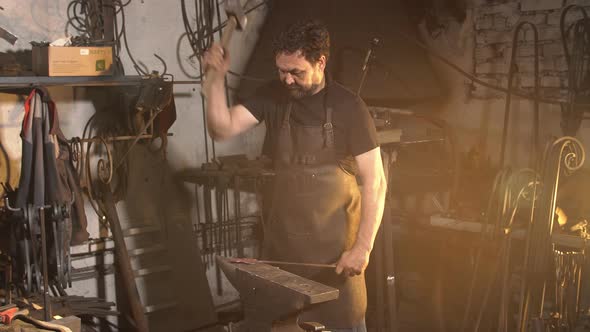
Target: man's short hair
310,36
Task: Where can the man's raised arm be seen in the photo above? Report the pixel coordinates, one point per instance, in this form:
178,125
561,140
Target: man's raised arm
223,122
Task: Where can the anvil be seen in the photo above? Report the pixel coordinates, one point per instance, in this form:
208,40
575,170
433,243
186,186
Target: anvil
273,298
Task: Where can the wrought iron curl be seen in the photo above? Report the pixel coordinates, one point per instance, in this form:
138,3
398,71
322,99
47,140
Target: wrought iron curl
572,154
104,169
76,153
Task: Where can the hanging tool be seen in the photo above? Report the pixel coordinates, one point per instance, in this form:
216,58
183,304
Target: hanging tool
45,326
366,64
251,261
8,36
236,20
7,315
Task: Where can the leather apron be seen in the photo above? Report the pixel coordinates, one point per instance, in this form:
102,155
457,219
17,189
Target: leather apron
312,214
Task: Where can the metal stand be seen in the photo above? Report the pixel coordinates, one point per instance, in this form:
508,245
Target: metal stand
46,301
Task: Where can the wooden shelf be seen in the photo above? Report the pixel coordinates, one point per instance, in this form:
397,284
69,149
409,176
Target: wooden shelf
14,82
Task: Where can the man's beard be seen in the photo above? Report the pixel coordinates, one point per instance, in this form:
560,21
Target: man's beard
297,91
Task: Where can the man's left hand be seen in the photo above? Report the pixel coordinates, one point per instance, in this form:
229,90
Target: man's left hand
353,262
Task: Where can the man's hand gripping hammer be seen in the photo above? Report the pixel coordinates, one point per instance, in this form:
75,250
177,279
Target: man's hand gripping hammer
236,19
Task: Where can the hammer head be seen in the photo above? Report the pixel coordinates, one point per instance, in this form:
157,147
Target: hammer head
234,9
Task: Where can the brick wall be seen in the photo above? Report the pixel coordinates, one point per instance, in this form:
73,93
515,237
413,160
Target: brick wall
494,29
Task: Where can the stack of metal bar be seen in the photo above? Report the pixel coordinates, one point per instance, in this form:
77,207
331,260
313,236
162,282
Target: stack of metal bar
222,230
69,305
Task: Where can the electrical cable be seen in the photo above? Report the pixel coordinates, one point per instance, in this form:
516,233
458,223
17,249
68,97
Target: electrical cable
222,25
6,159
578,71
201,38
181,61
565,32
86,17
138,69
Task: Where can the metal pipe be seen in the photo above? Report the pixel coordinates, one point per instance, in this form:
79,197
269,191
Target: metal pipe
237,217
509,88
380,278
203,106
46,300
366,63
114,139
330,266
391,276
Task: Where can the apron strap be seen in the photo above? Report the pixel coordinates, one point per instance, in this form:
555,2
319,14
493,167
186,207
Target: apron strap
287,116
284,138
328,129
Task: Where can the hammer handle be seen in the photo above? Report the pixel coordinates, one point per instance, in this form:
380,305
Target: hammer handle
225,38
231,25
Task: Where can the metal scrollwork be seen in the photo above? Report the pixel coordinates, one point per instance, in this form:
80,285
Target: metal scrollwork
104,168
572,154
76,153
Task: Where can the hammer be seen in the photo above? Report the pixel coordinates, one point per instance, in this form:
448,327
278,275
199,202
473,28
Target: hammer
236,19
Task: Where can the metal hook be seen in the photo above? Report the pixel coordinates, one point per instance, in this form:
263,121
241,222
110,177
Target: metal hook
10,208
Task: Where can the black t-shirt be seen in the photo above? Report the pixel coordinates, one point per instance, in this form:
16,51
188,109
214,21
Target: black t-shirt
354,129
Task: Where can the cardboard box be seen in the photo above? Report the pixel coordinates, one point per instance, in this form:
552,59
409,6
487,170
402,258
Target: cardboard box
72,61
